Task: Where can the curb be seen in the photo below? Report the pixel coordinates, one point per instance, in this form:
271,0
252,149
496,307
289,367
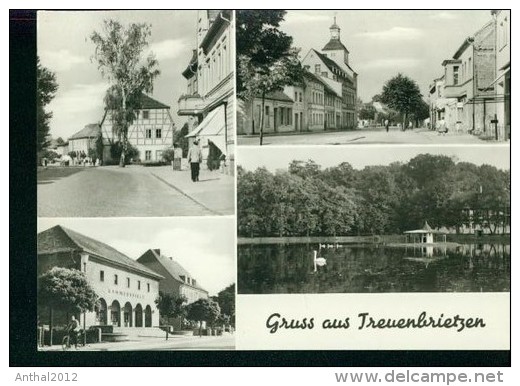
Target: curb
186,195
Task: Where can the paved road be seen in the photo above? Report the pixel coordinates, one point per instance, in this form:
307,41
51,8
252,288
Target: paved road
109,191
366,136
225,342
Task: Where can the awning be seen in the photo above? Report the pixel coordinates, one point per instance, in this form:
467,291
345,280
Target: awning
213,128
502,73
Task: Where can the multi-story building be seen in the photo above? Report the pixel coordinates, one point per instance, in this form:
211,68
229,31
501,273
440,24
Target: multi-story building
177,280
151,132
84,139
332,65
438,102
503,72
325,100
468,84
209,101
127,289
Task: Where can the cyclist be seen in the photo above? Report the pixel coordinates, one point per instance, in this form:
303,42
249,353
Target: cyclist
73,329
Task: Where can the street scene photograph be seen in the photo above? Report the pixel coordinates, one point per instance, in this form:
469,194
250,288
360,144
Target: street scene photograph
136,113
136,284
384,220
324,77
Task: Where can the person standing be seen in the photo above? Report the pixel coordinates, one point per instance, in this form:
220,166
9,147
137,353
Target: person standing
387,125
195,158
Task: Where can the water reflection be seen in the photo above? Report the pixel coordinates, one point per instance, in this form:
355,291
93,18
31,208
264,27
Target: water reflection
351,268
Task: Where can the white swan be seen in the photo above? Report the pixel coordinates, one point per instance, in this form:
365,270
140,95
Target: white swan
321,261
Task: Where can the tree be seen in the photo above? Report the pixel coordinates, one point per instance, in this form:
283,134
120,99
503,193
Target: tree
119,56
46,88
66,290
60,141
226,301
402,94
203,310
171,306
367,111
266,62
179,137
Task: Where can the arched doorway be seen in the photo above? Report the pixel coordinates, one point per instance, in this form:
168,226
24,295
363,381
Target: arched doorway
127,315
115,314
101,312
138,316
148,316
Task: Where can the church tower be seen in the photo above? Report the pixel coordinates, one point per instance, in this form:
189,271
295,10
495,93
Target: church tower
334,49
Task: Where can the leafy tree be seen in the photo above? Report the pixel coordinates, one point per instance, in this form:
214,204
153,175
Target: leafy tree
119,56
259,39
179,137
171,306
402,94
226,301
367,111
168,155
66,290
116,151
60,141
203,310
46,88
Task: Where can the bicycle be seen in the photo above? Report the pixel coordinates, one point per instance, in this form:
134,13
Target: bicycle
65,342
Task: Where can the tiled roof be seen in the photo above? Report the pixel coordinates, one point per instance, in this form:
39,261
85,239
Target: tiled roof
278,96
148,103
174,268
60,239
318,79
331,64
334,44
90,131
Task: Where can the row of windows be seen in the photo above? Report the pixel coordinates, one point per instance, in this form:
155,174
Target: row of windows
298,96
317,97
466,70
216,66
316,119
116,281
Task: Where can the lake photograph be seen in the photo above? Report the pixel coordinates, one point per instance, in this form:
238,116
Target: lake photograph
386,221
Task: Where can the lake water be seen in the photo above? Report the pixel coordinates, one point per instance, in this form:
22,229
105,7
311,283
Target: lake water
348,268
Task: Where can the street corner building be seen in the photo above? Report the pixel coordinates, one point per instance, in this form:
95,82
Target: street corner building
324,101
126,289
474,93
151,133
209,101
176,280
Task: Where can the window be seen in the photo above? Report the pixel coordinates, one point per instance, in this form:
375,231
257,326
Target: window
296,96
148,155
138,284
325,74
158,133
148,133
101,275
146,114
455,75
127,282
267,116
301,96
148,286
115,279
317,68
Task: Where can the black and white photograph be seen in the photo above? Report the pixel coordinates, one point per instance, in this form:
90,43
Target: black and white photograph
321,77
136,284
135,113
374,220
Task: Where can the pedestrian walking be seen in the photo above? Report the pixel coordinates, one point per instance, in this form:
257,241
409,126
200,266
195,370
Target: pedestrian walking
387,125
195,158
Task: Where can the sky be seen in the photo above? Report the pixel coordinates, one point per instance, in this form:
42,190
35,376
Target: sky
274,158
64,47
384,43
203,246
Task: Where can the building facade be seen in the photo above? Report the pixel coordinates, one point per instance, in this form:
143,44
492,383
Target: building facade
151,132
126,289
84,139
471,96
209,100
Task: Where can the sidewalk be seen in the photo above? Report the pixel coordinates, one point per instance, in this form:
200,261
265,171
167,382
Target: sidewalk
214,190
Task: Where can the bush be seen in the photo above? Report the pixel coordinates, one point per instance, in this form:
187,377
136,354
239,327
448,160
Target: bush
117,148
214,157
167,155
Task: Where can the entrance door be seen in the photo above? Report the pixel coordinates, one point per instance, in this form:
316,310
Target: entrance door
296,127
275,119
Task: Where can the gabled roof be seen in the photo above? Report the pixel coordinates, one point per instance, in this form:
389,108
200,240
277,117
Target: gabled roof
148,103
172,267
278,96
318,79
331,64
334,44
61,239
90,131
425,229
